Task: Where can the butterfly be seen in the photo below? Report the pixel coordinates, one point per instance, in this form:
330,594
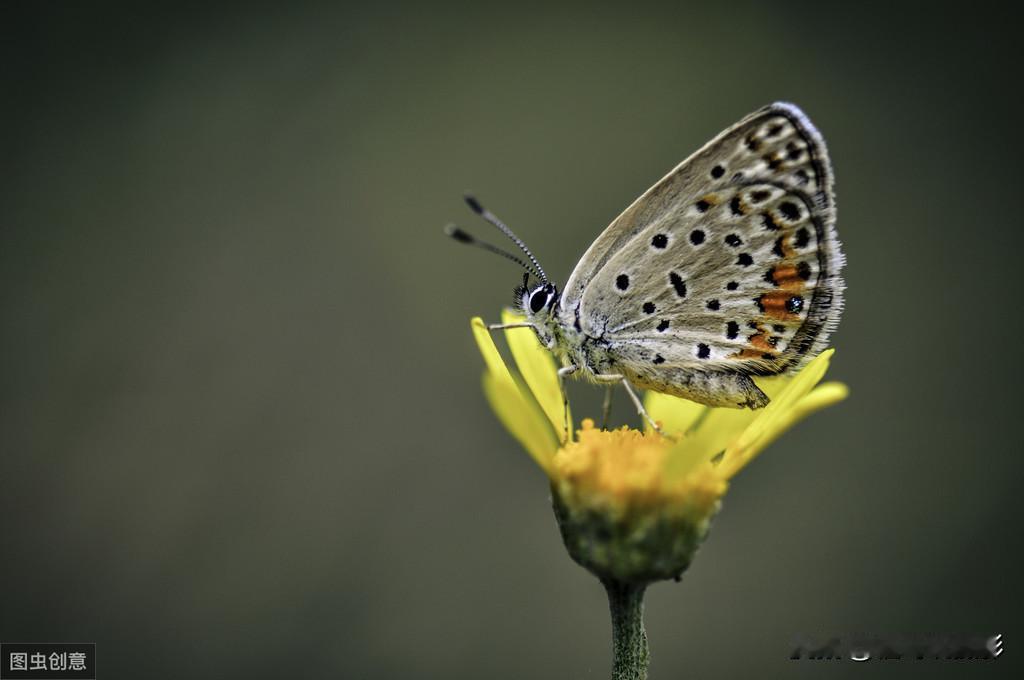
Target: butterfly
726,269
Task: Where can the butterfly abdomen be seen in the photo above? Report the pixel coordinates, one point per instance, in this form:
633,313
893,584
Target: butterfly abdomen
714,388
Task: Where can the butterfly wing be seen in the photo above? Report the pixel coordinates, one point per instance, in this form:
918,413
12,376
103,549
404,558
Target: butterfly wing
730,263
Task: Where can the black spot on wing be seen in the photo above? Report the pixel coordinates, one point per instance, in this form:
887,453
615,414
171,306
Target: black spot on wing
777,249
789,210
803,237
678,284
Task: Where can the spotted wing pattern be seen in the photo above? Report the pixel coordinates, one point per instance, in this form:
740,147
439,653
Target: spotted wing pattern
729,263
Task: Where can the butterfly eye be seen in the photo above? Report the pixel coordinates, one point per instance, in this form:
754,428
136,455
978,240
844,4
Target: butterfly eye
538,300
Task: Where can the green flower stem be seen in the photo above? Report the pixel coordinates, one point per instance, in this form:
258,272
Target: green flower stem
630,654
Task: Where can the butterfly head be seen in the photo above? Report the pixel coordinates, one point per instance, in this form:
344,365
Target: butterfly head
537,303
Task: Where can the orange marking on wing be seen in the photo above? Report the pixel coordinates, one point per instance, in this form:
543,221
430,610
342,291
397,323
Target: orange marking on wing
773,304
787,276
752,354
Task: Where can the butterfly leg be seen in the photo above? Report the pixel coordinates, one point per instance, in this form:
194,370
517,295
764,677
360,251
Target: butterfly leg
503,326
616,378
606,408
562,373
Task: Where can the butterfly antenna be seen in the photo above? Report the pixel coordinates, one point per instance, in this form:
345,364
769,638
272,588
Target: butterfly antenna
463,237
489,216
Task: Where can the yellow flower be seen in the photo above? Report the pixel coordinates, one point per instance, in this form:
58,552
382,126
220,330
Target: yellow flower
634,505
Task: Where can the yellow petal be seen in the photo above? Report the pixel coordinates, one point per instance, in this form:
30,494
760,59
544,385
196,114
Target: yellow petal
522,419
707,438
775,417
715,429
820,397
800,385
673,415
495,364
520,415
537,367
823,395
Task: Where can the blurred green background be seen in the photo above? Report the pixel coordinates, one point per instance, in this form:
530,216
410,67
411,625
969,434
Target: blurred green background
241,429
